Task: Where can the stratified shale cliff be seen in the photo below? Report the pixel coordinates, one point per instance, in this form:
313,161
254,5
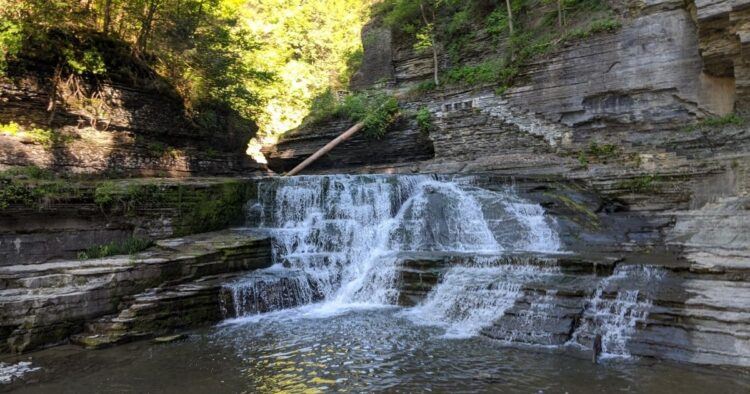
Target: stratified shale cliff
649,117
113,127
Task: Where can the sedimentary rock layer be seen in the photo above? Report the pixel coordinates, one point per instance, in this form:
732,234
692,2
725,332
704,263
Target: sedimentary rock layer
173,285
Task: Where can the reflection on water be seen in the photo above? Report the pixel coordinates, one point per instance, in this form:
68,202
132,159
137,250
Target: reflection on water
370,350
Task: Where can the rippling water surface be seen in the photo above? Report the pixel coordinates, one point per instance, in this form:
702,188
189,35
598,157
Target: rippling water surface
359,350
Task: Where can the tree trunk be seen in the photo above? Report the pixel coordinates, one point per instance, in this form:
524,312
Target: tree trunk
433,42
143,35
107,16
327,148
52,104
510,16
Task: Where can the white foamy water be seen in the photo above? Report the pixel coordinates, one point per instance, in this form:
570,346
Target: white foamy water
471,297
345,233
616,319
11,372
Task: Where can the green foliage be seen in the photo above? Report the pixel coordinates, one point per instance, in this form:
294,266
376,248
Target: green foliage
536,31
125,196
717,122
44,137
266,60
88,62
496,22
644,183
12,192
597,153
424,120
311,46
491,71
28,172
603,151
583,159
324,106
598,26
11,41
33,187
381,113
10,128
376,110
426,86
129,246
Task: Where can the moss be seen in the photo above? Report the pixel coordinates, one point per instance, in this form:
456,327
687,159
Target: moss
716,122
598,153
129,246
212,208
583,159
644,183
125,197
592,218
33,188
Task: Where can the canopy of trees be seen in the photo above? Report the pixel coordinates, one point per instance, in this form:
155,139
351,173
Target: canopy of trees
265,59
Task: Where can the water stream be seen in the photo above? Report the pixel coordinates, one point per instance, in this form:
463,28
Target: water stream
325,316
339,239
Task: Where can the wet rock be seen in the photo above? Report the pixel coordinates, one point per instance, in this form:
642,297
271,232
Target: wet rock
170,338
172,286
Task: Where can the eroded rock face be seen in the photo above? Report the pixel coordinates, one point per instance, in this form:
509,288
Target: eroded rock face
659,195
136,132
70,222
174,285
662,309
724,32
405,144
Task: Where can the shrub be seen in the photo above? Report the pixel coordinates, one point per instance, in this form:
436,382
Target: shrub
375,110
598,26
424,120
717,121
642,183
11,42
129,246
380,116
44,137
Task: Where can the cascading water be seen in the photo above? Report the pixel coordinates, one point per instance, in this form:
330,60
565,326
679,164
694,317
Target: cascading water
615,319
474,294
340,238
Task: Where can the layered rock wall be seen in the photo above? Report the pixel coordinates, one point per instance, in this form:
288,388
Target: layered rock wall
173,285
121,130
98,213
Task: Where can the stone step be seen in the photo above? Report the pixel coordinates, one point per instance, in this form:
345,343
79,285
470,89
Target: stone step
36,300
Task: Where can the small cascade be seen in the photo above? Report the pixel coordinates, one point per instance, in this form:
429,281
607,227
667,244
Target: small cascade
269,290
340,238
470,298
615,319
532,322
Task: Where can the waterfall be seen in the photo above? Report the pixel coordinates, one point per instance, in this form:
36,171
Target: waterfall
338,239
472,296
615,319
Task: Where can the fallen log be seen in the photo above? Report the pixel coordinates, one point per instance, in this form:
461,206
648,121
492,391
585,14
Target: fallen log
327,148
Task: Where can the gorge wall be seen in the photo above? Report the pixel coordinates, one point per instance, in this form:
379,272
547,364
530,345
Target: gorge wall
115,128
627,115
607,133
624,112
